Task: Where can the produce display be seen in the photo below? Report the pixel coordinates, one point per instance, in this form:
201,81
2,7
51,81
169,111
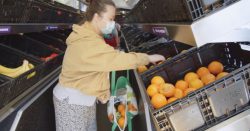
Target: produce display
144,68
163,93
15,72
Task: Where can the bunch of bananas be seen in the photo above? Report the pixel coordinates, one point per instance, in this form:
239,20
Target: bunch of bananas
15,72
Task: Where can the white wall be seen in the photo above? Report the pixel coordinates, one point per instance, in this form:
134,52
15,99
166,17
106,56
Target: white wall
229,24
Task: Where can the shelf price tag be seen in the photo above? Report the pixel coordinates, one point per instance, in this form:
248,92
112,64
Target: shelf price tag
5,29
160,31
51,27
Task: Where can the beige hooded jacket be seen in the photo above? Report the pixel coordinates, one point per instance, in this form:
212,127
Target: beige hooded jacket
88,61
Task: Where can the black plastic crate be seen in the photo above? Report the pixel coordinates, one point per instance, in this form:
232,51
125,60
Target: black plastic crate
141,37
131,33
168,50
11,58
146,42
39,12
135,37
35,49
56,34
12,11
5,85
65,13
155,11
46,12
237,83
63,6
230,54
235,60
36,11
48,1
48,40
66,32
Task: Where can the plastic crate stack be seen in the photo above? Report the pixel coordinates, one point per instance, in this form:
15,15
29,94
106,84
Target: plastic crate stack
158,11
36,11
9,11
208,105
26,59
146,42
212,103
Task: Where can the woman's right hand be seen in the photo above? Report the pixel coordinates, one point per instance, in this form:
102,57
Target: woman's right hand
155,58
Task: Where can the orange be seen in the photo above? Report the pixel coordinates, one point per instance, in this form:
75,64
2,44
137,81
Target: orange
178,93
123,113
167,89
222,74
157,80
152,89
196,83
158,101
121,108
181,84
215,67
208,78
121,122
188,90
141,69
190,76
202,71
172,99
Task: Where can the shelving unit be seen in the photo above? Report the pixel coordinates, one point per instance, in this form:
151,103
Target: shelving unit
6,29
11,113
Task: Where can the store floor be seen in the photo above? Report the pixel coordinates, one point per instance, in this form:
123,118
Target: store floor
103,123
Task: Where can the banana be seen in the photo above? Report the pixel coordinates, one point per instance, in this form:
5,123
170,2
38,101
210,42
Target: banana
9,70
18,72
15,72
31,66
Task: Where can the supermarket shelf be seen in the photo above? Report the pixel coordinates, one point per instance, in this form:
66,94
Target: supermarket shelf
181,31
28,97
149,123
6,29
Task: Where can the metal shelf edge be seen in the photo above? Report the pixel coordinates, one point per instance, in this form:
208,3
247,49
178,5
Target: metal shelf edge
15,28
27,97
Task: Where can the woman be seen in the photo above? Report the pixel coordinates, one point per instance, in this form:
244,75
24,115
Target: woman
85,70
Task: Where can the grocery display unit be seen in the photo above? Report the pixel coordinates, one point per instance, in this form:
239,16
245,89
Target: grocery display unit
32,108
207,107
227,24
26,96
23,91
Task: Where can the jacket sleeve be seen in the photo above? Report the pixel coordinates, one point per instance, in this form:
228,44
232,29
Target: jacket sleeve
106,58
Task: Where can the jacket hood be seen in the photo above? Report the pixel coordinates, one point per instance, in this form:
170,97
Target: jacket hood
82,31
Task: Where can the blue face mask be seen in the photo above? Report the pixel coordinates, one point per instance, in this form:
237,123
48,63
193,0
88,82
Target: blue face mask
108,28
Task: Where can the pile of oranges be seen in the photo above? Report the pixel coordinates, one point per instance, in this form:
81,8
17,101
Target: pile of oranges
121,113
162,93
144,68
122,110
